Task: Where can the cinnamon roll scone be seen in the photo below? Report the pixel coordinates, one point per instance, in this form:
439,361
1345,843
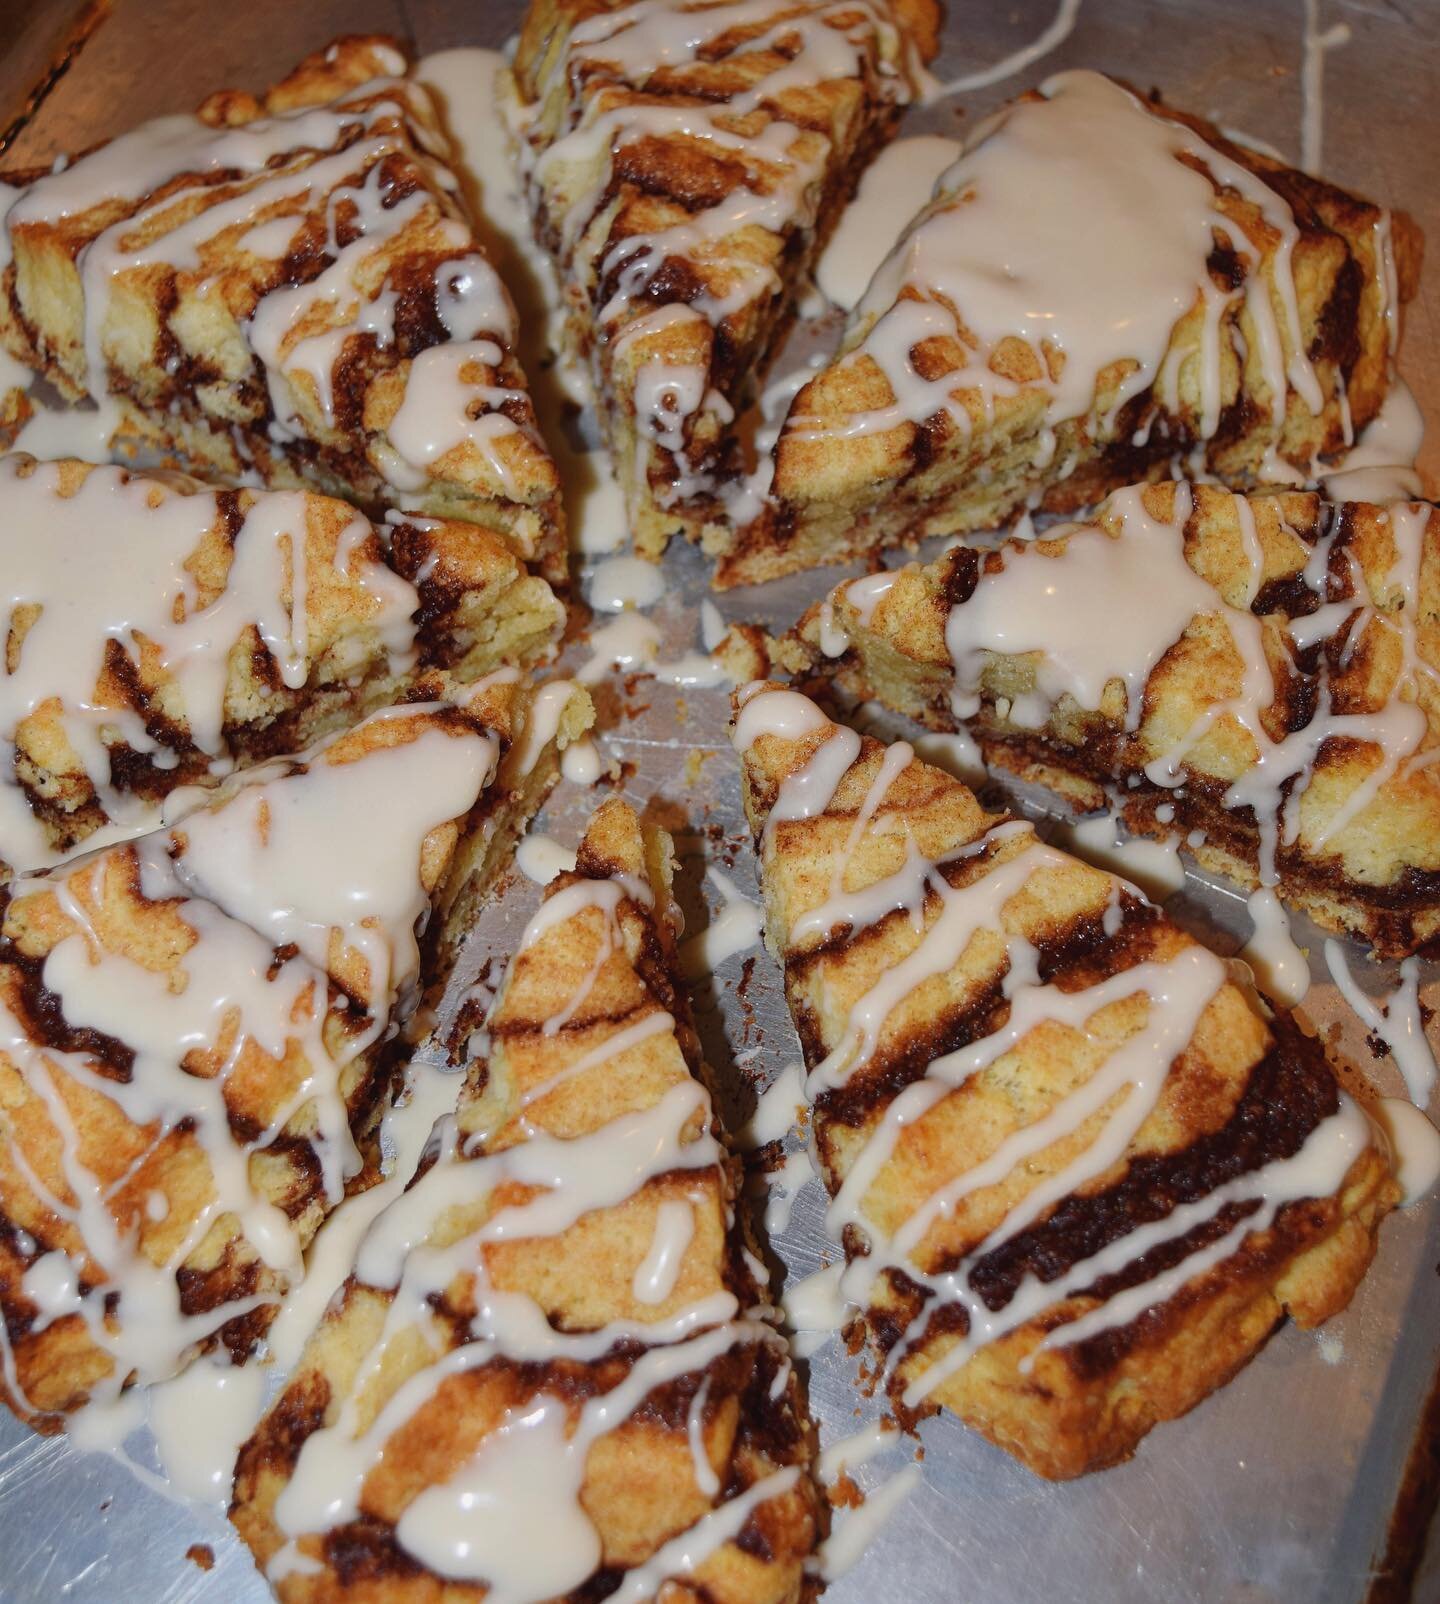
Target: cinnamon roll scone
684,161
1102,290
286,285
1080,1173
552,1373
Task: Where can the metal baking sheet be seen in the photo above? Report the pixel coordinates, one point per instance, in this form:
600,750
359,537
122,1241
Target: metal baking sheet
1281,1487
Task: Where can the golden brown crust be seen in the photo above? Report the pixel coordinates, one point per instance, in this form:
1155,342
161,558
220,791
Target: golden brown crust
475,608
587,200
640,1485
1245,1091
176,329
1379,875
838,496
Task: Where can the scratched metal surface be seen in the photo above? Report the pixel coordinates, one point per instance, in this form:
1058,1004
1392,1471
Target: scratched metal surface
1280,1487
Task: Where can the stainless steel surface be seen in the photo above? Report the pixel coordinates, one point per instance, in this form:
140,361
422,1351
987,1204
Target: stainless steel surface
1280,1487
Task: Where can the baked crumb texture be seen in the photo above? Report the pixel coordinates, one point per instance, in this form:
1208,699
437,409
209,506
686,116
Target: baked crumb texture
549,1375
285,286
1102,290
160,634
683,165
1257,675
201,1031
1079,1172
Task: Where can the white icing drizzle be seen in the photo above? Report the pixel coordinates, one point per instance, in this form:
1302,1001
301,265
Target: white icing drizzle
839,1458
1154,866
1048,604
778,1113
294,857
834,638
1059,30
856,1529
581,762
629,642
782,1186
541,857
268,914
196,1422
512,1515
746,498
683,1555
1281,968
713,628
1380,466
621,582
226,969
957,754
448,407
866,594
735,929
1317,43
1414,1147
199,1420
1317,1170
692,670
85,433
777,1108
465,81
14,375
1022,241
892,189
1396,1021
705,1478
963,914
1126,1086
330,1257
658,1271
786,714
815,1309
74,558
570,175
542,722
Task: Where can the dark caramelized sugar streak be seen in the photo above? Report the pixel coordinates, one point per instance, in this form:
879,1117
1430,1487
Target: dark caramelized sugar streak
1289,1092
274,1449
40,1011
367,1551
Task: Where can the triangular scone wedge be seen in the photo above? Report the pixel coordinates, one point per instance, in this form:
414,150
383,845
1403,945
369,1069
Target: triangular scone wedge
551,1373
1260,675
286,285
160,633
1100,287
1079,1172
199,1034
684,162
